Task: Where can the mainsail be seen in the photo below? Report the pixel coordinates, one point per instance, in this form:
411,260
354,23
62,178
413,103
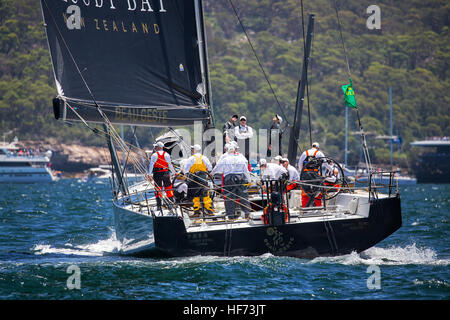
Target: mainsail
138,60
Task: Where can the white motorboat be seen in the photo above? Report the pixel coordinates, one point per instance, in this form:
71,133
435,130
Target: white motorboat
104,173
378,176
19,166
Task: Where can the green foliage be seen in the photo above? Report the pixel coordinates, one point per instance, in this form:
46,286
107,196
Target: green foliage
410,53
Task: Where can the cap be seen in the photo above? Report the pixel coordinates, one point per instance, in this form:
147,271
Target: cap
315,144
235,116
285,159
242,118
278,158
262,162
279,118
197,147
230,149
234,144
159,144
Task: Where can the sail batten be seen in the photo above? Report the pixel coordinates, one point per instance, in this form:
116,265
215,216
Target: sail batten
128,57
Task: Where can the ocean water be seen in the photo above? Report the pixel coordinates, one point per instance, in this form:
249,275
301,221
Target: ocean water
50,233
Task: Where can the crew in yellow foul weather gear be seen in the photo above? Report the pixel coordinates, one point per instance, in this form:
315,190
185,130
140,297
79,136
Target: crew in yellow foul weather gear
198,165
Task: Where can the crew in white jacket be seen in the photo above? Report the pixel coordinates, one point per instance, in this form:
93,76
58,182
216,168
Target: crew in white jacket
244,132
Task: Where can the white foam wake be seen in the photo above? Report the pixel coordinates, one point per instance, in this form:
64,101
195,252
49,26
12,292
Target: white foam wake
100,248
410,254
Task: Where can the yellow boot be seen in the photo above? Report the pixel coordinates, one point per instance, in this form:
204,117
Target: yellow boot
207,202
196,201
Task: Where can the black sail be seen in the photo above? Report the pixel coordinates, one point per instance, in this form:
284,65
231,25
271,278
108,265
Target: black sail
138,60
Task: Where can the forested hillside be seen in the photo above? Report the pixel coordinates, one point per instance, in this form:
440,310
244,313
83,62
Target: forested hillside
410,53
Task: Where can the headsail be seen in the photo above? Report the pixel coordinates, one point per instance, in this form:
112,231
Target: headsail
138,60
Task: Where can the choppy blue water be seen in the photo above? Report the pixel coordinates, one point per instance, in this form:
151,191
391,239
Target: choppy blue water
46,228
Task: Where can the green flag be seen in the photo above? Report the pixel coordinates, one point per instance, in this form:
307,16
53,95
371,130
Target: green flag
350,100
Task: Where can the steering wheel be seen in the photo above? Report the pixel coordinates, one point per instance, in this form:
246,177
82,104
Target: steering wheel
319,187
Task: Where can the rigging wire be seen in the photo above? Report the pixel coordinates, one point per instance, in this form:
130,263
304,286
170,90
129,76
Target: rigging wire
309,83
259,62
363,137
307,80
342,37
263,71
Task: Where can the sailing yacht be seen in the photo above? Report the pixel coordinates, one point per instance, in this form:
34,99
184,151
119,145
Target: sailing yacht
148,66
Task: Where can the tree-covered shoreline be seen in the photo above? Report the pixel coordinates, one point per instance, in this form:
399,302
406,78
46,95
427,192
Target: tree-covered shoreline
410,53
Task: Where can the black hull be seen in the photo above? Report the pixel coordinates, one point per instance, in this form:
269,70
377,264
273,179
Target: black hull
302,240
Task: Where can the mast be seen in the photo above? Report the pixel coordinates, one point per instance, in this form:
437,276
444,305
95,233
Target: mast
390,116
295,131
122,136
200,46
346,138
203,52
115,161
204,66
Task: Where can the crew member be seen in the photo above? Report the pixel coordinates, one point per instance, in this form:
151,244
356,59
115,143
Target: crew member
307,155
180,186
225,150
308,168
228,129
331,174
293,174
160,164
198,165
245,133
272,170
276,129
235,179
236,148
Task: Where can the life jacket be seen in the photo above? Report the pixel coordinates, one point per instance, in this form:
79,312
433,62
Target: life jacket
265,216
161,164
308,159
291,186
198,165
